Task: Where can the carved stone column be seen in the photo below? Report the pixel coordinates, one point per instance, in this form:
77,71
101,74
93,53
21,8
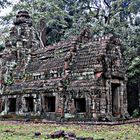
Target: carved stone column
60,105
94,107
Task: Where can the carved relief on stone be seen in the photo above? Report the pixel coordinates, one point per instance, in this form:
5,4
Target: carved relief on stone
85,35
71,106
19,104
13,32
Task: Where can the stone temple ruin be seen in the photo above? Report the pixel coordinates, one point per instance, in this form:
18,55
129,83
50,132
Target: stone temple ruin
80,78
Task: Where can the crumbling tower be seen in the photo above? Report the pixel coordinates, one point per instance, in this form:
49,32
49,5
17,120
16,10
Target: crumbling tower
23,33
21,41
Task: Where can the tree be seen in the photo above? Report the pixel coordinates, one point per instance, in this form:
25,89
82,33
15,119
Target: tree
4,3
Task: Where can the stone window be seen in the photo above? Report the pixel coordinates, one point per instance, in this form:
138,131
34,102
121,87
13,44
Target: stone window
53,73
29,104
12,104
80,105
37,77
50,104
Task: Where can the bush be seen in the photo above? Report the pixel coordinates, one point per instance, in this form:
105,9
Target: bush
136,113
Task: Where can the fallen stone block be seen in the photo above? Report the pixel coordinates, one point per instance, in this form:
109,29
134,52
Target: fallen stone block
37,133
71,134
58,134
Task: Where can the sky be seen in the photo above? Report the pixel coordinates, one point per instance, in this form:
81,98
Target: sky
4,12
7,10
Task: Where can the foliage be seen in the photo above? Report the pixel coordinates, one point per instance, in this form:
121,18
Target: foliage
9,81
25,131
4,3
1,47
136,113
134,67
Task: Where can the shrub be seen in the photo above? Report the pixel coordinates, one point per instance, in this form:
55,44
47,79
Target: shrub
136,113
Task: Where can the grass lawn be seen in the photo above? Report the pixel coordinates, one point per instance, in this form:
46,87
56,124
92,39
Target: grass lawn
25,131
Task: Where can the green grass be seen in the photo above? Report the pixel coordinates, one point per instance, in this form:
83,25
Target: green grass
13,131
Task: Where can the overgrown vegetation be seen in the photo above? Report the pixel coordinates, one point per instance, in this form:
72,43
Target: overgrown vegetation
1,47
26,131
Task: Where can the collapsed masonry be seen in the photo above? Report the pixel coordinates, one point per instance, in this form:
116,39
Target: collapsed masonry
81,78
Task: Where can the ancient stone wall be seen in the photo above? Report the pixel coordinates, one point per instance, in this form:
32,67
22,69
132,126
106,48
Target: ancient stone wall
80,78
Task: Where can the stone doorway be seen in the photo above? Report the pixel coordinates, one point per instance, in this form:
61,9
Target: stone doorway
29,104
115,89
12,104
50,104
1,105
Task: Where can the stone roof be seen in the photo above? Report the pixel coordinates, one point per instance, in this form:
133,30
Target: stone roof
77,60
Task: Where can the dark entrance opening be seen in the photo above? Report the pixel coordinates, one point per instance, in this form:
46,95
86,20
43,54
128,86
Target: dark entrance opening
1,105
80,104
12,104
50,104
115,99
132,97
29,104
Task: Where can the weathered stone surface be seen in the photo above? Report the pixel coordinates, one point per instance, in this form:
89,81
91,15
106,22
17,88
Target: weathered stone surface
37,133
57,134
83,77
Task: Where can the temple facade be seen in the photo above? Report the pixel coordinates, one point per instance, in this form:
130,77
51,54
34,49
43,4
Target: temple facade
81,78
